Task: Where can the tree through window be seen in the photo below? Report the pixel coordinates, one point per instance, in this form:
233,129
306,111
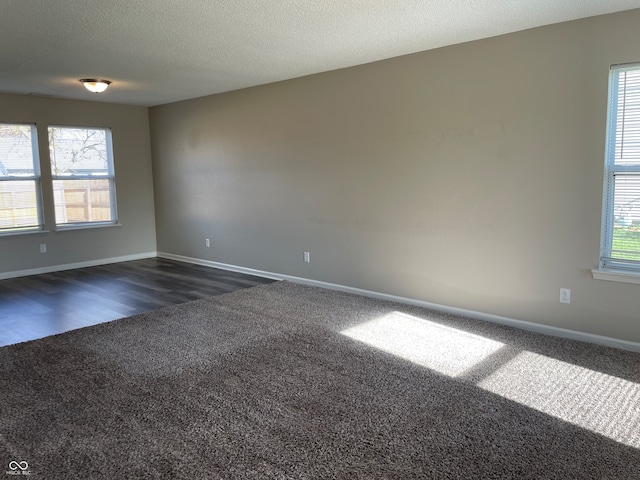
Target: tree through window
83,175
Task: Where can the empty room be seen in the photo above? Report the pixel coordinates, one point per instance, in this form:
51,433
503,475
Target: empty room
320,240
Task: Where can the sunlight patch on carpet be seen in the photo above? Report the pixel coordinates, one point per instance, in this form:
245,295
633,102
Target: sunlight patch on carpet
444,349
593,400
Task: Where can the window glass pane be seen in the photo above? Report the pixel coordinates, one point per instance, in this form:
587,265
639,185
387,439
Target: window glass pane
19,179
18,204
627,140
83,175
82,201
78,152
16,151
626,213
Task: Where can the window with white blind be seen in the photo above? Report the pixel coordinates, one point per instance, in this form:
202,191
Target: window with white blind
83,176
20,197
620,244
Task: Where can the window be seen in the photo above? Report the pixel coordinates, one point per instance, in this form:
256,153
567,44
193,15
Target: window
19,179
83,176
621,211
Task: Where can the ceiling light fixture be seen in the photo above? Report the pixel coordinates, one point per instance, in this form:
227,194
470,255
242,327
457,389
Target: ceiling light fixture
95,85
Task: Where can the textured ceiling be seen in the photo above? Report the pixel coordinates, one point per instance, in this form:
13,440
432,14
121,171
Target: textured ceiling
161,51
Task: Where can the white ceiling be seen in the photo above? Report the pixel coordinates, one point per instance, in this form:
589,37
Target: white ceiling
161,51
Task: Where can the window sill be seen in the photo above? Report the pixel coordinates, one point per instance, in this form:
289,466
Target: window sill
616,275
23,232
85,226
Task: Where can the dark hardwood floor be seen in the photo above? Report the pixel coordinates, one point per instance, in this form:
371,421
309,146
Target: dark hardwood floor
41,305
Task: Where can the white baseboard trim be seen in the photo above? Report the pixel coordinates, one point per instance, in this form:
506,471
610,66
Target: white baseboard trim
224,266
71,266
521,324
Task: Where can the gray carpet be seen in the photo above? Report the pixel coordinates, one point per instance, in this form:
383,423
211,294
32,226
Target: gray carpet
287,381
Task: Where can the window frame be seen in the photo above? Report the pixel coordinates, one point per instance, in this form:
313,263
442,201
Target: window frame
36,178
111,177
610,268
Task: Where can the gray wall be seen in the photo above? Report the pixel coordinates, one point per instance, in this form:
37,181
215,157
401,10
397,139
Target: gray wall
134,185
468,176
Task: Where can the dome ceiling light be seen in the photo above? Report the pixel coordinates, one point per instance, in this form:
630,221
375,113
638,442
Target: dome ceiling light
95,85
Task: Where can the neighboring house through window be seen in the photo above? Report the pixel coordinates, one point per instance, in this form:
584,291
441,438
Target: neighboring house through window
20,205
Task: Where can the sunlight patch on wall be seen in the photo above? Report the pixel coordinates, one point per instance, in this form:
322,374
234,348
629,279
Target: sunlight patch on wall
592,400
429,344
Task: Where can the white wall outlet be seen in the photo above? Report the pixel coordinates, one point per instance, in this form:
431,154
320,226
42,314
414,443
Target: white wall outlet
307,258
43,248
565,295
207,243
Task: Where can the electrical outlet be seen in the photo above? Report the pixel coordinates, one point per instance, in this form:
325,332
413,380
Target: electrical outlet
565,295
307,259
207,243
43,248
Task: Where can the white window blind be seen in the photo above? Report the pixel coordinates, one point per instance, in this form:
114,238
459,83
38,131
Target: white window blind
621,211
83,176
20,200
